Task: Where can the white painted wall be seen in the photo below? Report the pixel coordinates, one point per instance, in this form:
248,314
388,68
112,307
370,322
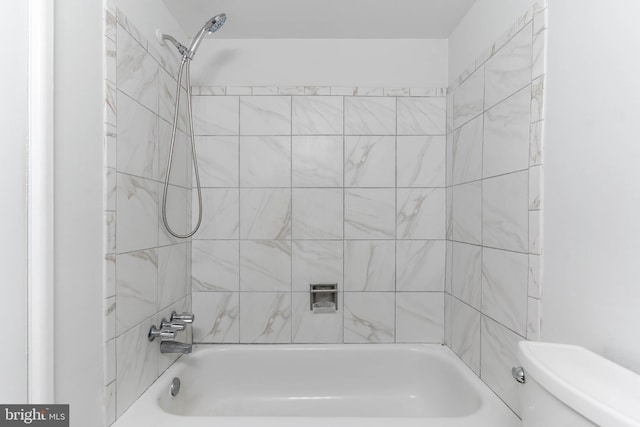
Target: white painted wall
592,179
13,215
326,19
78,209
274,62
484,23
149,15
323,62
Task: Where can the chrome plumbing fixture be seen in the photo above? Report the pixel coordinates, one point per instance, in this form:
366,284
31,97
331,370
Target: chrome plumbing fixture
162,332
175,347
182,317
210,27
187,53
174,388
176,326
168,330
518,374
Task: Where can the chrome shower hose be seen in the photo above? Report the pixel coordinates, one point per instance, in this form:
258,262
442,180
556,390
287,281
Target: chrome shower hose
184,65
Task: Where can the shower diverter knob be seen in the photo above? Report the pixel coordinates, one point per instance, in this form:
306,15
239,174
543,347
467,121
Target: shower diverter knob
182,317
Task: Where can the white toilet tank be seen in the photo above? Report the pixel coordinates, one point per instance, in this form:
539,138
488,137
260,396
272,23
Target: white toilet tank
569,386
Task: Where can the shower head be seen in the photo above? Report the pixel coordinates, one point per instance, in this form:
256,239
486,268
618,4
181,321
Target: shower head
216,22
211,26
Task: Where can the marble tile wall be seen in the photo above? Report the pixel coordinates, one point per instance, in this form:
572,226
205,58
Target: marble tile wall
309,185
146,271
495,116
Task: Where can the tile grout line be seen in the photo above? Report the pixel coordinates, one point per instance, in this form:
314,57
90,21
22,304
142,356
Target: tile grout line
344,213
482,182
239,340
395,231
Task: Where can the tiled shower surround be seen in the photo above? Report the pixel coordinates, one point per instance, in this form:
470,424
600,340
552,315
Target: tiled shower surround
146,270
320,189
424,208
494,195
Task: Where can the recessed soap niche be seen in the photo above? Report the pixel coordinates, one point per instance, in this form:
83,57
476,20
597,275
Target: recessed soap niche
323,297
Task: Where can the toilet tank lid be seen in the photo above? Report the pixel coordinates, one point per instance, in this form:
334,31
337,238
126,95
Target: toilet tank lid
597,388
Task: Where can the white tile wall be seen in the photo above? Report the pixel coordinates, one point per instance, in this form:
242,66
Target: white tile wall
421,116
308,327
510,68
265,161
215,265
506,135
494,204
467,212
421,161
218,317
220,115
421,213
466,152
265,265
316,261
504,288
466,274
344,189
505,211
146,271
317,161
218,161
270,319
220,219
369,317
465,333
265,115
317,213
370,213
317,115
370,161
419,317
370,265
498,353
265,213
136,213
370,116
420,265
468,99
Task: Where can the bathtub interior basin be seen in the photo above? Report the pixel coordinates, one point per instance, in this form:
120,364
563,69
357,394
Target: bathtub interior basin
348,381
353,385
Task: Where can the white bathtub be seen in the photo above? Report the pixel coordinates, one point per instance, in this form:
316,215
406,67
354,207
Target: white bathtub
320,385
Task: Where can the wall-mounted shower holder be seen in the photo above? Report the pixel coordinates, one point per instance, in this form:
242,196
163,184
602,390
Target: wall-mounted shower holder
323,297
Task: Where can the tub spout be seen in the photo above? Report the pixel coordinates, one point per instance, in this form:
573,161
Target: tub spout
175,347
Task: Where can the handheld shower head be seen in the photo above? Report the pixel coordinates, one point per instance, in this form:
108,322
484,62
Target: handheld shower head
211,26
216,22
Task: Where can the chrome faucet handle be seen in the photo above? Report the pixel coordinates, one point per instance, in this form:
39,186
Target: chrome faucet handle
162,333
182,317
174,325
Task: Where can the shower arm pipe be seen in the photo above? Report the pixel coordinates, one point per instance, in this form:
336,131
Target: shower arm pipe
184,51
184,65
